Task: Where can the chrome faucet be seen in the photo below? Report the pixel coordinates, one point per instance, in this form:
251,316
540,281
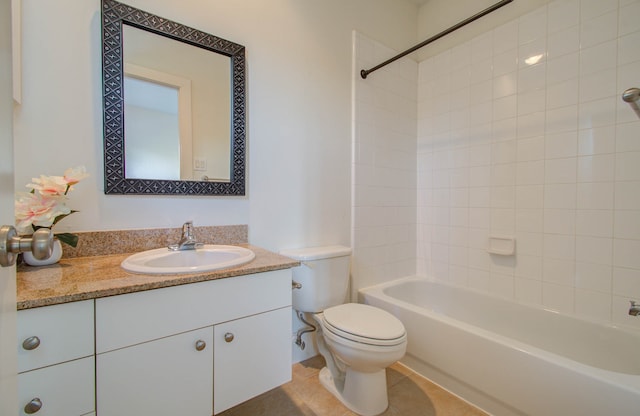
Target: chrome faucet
634,309
188,240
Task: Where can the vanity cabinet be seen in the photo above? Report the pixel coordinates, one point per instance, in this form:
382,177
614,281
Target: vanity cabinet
193,349
56,360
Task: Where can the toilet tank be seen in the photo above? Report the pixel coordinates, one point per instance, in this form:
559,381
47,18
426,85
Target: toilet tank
323,274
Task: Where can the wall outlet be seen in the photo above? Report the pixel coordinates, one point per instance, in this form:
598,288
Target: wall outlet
199,163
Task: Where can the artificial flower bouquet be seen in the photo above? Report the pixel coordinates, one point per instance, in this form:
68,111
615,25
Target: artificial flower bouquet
45,205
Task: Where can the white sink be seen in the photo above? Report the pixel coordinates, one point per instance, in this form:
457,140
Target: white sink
206,258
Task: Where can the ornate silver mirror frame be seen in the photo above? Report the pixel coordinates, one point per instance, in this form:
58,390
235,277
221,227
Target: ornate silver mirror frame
114,15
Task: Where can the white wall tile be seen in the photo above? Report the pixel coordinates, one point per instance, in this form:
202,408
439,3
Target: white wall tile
594,8
561,119
560,170
529,220
561,145
627,224
529,243
528,149
598,85
560,221
628,50
504,85
599,140
598,58
532,53
592,276
594,250
557,297
629,16
505,37
532,25
625,253
505,62
563,94
563,68
596,168
595,223
595,195
597,113
546,152
532,78
628,166
563,43
627,195
628,74
530,197
593,305
560,196
599,29
529,125
528,291
626,282
530,172
559,246
563,14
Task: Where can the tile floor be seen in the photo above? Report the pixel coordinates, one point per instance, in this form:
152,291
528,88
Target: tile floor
409,395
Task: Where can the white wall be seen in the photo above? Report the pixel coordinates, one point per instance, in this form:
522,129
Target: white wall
298,106
547,153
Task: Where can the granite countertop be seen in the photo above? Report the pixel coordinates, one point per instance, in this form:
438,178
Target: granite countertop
81,278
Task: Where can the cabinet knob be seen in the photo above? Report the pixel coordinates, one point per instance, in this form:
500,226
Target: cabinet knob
31,343
33,406
200,345
228,337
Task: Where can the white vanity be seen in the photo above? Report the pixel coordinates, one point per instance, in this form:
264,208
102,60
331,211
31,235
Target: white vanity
188,349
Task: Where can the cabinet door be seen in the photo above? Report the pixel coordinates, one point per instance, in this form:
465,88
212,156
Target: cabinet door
63,389
170,376
253,355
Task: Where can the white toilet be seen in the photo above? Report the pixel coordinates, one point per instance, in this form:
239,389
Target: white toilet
357,341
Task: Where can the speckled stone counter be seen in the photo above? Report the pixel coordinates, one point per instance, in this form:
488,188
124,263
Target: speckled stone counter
81,278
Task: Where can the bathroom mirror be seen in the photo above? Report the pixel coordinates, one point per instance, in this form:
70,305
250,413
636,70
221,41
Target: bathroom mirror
174,107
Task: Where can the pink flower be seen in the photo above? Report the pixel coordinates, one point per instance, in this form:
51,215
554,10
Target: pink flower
34,209
49,185
74,175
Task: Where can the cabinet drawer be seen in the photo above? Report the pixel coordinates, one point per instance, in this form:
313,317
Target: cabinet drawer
64,389
64,332
252,356
140,317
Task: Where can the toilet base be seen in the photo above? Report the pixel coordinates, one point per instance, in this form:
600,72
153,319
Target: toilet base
363,393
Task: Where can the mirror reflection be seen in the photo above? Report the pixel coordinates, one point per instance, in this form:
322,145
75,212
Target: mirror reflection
177,111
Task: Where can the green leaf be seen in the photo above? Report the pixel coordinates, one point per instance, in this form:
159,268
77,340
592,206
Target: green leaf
68,238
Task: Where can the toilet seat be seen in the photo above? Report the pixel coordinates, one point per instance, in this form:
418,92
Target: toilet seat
364,324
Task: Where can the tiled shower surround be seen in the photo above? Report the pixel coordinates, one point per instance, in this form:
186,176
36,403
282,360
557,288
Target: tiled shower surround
522,132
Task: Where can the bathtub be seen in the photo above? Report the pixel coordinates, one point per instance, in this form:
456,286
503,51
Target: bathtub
511,359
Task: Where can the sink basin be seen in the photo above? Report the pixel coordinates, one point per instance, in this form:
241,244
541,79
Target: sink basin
206,258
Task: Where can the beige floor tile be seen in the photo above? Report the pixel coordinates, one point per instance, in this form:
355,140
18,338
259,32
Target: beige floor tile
409,395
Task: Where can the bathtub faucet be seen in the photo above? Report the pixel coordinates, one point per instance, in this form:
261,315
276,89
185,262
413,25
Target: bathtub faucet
634,309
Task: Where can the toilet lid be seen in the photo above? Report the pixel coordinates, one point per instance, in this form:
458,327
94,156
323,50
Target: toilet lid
364,323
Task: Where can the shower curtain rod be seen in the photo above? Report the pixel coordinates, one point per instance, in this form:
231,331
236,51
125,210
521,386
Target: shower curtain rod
455,27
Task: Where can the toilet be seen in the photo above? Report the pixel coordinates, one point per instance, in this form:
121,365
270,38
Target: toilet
357,341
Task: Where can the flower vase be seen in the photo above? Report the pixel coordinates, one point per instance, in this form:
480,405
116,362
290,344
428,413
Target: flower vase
56,255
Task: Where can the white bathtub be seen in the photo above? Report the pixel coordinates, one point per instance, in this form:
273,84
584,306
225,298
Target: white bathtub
510,359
